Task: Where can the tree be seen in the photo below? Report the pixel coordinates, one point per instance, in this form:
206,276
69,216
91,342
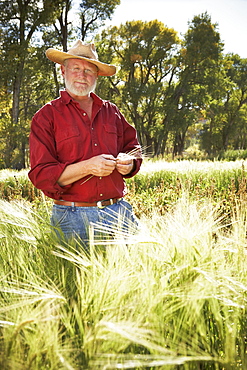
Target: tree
145,52
225,127
19,20
62,31
198,77
22,23
93,13
235,100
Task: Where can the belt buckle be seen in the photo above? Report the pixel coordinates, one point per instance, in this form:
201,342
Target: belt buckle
99,204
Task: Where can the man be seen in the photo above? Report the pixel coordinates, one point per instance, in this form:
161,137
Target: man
82,148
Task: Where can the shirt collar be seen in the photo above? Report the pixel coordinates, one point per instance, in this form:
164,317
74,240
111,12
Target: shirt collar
66,98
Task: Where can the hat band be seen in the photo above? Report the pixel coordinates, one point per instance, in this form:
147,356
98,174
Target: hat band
82,56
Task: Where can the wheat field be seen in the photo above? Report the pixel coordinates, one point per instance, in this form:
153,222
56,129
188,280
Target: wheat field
171,297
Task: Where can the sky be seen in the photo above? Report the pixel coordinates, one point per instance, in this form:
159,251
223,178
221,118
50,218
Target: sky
230,15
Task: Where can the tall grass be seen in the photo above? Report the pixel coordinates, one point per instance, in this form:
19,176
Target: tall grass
173,298
160,184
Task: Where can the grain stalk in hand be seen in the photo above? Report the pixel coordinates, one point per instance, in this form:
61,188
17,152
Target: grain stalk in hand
135,153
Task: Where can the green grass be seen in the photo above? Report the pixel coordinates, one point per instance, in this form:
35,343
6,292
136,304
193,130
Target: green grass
173,298
160,184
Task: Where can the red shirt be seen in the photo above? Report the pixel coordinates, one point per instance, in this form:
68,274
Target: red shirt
62,134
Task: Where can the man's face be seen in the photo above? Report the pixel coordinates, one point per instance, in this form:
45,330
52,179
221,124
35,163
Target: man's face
80,76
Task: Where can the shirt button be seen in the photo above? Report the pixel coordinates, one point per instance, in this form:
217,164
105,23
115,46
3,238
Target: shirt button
100,177
84,114
95,144
101,195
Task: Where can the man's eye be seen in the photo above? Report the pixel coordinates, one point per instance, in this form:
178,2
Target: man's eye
88,71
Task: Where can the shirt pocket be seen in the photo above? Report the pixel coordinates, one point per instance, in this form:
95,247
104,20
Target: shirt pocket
68,142
67,133
114,128
113,137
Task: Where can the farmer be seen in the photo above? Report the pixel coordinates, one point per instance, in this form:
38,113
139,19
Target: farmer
82,148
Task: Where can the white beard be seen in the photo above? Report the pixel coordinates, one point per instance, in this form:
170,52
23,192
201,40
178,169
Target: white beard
81,90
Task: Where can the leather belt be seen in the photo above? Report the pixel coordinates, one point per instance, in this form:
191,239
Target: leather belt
99,204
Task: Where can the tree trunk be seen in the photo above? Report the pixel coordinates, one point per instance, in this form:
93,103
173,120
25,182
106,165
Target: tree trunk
11,142
178,145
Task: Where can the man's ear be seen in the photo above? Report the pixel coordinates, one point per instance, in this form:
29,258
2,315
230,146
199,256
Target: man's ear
62,69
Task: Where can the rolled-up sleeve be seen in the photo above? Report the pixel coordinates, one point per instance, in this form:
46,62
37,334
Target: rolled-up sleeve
45,168
131,145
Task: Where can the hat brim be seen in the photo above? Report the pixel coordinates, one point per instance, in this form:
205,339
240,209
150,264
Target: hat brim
59,57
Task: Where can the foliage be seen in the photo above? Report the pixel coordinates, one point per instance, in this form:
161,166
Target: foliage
20,20
167,86
197,77
146,52
94,13
177,92
226,113
16,185
24,79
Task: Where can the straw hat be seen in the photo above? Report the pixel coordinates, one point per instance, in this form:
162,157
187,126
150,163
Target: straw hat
81,51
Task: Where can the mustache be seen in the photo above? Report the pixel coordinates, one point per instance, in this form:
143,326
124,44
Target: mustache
82,80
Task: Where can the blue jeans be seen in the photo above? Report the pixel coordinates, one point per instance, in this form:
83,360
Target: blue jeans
83,223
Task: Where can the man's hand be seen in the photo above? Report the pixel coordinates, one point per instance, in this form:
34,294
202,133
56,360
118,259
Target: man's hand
124,163
102,165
